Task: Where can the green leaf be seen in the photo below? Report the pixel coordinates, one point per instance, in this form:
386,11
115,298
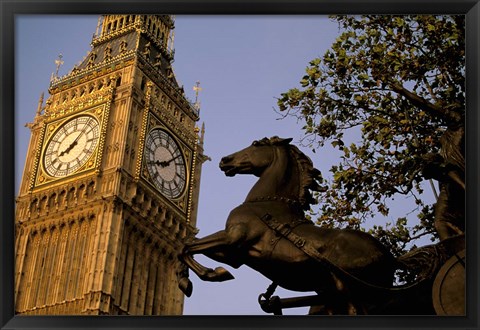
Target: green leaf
346,95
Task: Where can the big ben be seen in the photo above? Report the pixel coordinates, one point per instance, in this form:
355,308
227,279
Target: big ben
111,180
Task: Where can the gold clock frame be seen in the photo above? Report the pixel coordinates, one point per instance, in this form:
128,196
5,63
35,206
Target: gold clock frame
101,113
182,201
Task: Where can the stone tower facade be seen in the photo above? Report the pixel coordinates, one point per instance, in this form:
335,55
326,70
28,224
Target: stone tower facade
111,180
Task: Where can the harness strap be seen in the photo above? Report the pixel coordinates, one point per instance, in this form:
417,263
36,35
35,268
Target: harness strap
286,231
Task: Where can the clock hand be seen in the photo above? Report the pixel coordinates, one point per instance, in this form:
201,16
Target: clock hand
72,145
166,163
157,162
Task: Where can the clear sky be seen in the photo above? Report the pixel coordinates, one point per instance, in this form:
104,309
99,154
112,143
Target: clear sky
243,64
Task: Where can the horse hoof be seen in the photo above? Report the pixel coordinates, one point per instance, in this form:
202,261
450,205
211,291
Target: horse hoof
221,274
186,286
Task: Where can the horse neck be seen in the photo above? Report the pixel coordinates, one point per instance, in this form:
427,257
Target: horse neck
280,179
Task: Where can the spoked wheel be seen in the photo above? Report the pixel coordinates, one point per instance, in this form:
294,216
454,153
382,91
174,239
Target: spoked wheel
448,290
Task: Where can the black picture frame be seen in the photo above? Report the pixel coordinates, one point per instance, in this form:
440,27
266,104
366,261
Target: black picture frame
10,8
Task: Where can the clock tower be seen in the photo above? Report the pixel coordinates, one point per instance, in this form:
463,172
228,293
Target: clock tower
110,187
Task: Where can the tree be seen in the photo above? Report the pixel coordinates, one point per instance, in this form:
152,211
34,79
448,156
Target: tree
397,82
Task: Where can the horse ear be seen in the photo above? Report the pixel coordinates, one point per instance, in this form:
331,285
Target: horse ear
286,141
279,141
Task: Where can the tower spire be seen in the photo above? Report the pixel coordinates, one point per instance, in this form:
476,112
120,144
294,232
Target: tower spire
171,40
58,63
99,23
40,104
202,135
197,89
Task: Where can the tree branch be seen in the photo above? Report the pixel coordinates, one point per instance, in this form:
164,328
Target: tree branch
448,116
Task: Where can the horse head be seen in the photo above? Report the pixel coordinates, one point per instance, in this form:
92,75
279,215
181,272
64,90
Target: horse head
290,172
253,159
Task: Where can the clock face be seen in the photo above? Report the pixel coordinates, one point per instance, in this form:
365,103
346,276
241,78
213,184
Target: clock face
71,146
165,163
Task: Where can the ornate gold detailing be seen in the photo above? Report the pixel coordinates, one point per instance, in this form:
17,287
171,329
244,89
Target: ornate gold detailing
170,88
186,147
85,101
100,113
107,53
106,116
102,68
114,34
38,153
192,177
167,116
160,215
143,130
66,201
91,60
123,47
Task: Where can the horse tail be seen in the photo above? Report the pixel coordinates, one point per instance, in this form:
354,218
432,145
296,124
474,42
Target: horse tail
421,264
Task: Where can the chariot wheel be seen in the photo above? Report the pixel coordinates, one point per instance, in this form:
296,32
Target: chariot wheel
448,290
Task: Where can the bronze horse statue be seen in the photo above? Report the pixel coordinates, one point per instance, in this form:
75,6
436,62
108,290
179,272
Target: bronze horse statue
269,233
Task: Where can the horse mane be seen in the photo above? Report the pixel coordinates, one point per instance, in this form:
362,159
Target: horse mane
308,174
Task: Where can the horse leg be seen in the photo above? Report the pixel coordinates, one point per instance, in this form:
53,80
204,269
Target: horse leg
346,301
184,282
218,274
220,246
206,245
213,246
204,273
219,241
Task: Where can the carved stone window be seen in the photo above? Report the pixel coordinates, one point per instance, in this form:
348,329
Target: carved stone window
108,53
71,195
91,188
61,198
146,50
52,200
82,191
91,60
34,205
123,46
158,61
